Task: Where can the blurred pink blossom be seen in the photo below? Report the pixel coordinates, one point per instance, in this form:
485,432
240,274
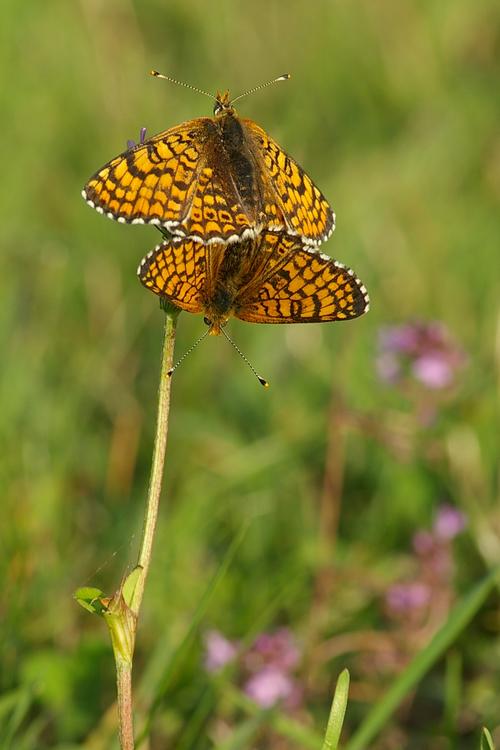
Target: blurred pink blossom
277,649
270,685
403,597
265,668
449,522
431,586
425,351
219,651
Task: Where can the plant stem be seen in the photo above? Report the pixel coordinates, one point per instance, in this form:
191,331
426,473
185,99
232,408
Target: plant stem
124,665
160,444
125,715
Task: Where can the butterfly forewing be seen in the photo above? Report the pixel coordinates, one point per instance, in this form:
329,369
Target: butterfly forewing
217,179
152,182
303,208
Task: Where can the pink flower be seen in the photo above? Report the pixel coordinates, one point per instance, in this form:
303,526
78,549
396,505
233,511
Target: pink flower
264,669
426,351
271,685
433,370
219,651
449,522
404,597
424,543
277,649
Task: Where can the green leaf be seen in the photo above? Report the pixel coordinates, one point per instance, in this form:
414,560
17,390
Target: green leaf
130,583
90,599
487,740
121,622
460,616
337,712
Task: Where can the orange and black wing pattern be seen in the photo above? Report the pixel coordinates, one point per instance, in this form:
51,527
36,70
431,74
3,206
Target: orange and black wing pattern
299,285
304,209
177,271
170,180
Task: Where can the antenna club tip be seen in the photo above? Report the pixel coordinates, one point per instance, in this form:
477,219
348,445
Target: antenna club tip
154,73
169,373
263,381
285,77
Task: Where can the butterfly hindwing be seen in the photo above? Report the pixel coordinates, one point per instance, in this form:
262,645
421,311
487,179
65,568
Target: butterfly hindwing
176,270
274,278
302,286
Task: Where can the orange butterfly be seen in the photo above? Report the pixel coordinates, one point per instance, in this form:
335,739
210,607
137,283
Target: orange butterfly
272,278
214,179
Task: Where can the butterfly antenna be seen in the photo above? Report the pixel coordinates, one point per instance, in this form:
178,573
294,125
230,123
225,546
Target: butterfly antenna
186,353
181,83
284,77
261,380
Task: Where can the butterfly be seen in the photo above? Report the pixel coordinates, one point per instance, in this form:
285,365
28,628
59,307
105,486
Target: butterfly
213,179
271,278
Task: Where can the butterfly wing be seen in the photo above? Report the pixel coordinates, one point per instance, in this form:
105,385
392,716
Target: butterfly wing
294,197
300,286
172,180
152,182
177,271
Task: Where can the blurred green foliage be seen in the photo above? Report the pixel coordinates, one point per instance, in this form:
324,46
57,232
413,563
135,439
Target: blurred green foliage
393,108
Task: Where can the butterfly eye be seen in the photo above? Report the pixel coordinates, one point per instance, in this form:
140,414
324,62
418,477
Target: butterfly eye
207,322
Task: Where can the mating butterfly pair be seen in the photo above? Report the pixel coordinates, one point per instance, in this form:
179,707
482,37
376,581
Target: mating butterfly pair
244,220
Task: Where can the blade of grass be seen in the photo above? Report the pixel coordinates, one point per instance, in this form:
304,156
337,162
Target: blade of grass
17,704
487,740
452,694
198,719
460,616
245,733
337,712
281,723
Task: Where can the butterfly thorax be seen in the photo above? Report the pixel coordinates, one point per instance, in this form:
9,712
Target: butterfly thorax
236,150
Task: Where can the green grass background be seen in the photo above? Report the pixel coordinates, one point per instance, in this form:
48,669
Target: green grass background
394,110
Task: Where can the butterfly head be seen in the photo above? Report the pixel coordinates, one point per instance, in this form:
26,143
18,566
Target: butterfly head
215,326
223,103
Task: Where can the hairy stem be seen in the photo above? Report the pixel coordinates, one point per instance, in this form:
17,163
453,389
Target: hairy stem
125,714
124,666
160,444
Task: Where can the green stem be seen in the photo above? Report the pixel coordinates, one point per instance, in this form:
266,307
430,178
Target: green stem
124,665
156,477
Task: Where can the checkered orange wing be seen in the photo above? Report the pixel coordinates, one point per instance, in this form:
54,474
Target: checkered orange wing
305,210
170,180
301,286
177,271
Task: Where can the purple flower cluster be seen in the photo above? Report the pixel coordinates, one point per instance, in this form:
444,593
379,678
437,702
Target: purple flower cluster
266,667
425,351
431,587
142,138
